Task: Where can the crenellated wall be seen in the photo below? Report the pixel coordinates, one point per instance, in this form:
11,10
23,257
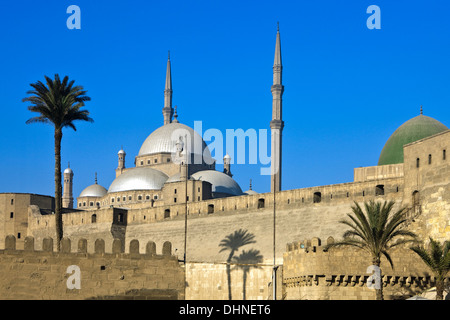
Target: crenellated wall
311,273
44,274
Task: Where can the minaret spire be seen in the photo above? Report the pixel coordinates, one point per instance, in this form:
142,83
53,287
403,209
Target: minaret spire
168,110
277,124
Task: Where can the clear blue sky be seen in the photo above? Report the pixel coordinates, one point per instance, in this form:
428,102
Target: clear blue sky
347,88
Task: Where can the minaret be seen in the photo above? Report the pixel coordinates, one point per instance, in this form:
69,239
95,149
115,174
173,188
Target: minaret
227,165
167,110
277,124
121,165
67,198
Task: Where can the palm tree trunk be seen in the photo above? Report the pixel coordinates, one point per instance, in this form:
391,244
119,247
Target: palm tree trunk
440,289
58,188
379,292
244,281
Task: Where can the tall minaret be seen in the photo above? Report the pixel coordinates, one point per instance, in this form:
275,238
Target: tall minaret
67,198
277,124
167,110
121,163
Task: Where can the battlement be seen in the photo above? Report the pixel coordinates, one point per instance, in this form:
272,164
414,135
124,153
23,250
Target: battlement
99,247
45,274
309,270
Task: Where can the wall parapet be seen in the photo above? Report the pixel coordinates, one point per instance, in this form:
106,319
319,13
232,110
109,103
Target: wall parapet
99,246
309,268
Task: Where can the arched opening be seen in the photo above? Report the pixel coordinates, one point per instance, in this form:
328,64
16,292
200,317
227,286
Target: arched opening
166,213
210,208
94,218
379,190
260,203
317,197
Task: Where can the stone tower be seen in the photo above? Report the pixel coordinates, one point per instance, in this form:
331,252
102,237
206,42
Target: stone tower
168,110
67,198
277,124
227,165
121,165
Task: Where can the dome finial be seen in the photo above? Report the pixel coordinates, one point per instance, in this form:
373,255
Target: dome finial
421,109
250,184
96,178
175,115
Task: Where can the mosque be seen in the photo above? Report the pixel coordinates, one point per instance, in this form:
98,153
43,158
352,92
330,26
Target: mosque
174,193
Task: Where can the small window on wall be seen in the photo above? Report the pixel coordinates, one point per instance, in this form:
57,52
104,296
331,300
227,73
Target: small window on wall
379,190
260,203
91,204
112,199
166,213
142,163
156,160
168,159
443,155
147,197
11,215
139,197
12,200
94,218
129,198
317,197
417,162
148,161
429,159
18,235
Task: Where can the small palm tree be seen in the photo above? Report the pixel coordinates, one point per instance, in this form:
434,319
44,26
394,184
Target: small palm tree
437,258
233,242
58,103
375,231
245,261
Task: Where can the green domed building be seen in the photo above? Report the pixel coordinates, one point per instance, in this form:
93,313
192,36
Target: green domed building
412,130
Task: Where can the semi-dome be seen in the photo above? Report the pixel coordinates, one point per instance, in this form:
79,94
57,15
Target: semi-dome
164,139
141,178
222,184
412,130
94,190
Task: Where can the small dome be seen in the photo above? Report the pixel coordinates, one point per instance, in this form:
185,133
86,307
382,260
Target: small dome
142,178
412,130
121,151
94,190
174,178
222,184
164,139
250,192
68,170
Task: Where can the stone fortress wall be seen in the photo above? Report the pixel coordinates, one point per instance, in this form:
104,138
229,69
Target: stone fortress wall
44,274
300,214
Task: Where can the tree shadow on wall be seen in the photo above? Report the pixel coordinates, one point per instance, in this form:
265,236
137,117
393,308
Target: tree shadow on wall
245,261
232,243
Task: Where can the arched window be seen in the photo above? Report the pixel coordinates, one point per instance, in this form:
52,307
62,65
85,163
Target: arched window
379,190
429,159
317,197
94,218
210,208
417,162
260,203
166,213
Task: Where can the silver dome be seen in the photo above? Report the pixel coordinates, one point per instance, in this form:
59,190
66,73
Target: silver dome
164,139
249,192
221,182
94,190
142,178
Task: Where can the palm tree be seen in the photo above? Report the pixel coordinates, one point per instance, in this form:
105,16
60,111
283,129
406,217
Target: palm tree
375,231
437,258
233,242
247,260
58,103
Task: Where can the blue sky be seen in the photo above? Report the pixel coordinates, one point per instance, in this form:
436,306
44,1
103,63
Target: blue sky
347,88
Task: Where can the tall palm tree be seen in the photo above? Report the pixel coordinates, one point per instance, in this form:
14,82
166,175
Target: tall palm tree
247,260
58,103
375,231
437,258
233,242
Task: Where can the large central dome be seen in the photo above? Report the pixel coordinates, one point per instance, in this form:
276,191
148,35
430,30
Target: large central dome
163,140
412,130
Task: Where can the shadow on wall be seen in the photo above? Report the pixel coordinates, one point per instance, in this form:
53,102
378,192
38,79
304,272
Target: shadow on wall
142,294
245,261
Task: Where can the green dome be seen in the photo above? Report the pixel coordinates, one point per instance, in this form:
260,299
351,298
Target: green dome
412,130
